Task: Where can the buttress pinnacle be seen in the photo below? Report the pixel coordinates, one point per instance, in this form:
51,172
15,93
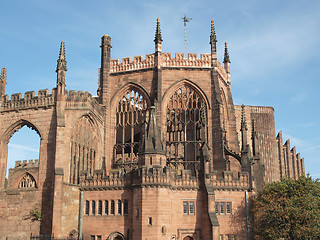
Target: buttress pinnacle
213,37
158,38
226,54
62,63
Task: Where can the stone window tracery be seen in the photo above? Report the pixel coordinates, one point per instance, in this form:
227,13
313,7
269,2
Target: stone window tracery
27,181
84,146
130,119
185,116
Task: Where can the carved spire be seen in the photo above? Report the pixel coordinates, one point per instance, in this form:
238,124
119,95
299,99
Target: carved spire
243,119
213,37
152,138
213,43
243,128
62,63
158,38
61,66
226,54
3,81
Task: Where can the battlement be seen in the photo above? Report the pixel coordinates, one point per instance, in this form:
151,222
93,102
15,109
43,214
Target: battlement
128,65
81,99
228,181
26,163
44,99
191,61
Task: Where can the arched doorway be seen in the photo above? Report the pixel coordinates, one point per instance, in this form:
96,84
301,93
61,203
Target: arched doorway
116,236
187,238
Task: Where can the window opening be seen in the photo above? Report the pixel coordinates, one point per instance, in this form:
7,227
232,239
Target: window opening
191,208
112,207
93,208
222,208
100,207
106,207
125,207
217,208
87,208
84,145
185,207
150,220
130,119
228,204
119,207
24,144
185,117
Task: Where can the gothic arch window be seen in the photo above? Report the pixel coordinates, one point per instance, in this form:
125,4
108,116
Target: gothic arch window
130,119
185,123
27,181
84,149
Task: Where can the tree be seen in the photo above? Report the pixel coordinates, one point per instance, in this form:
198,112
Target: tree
289,209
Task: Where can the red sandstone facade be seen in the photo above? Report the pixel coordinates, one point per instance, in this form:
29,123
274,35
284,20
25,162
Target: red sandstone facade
161,153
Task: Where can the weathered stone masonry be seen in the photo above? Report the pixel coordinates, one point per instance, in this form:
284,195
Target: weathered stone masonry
161,152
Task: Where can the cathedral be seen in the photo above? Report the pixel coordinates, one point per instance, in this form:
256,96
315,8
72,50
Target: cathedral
161,153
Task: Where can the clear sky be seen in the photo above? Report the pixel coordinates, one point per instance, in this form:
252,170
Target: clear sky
274,48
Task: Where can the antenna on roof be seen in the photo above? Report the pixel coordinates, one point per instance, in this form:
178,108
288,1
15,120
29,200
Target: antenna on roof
185,20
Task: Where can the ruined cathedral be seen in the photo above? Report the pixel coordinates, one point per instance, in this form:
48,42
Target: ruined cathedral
161,152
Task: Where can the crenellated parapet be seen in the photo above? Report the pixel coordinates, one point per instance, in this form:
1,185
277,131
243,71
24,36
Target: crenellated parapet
81,100
17,102
191,61
230,182
138,63
143,177
26,163
291,164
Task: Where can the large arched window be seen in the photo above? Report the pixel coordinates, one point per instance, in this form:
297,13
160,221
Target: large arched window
130,119
27,181
185,117
84,149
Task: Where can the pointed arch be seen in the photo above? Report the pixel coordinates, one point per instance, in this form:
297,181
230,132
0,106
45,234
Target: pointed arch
85,142
6,136
185,107
189,83
116,236
27,181
127,87
129,105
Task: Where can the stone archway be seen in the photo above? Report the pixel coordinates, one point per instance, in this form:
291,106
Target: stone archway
187,238
116,236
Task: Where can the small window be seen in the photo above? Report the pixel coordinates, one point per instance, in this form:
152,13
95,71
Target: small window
87,208
106,207
191,208
221,237
226,237
112,207
93,208
125,207
119,207
99,237
100,207
228,207
217,208
185,207
92,237
222,208
150,221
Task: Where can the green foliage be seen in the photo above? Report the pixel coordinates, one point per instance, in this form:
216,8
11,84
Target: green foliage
36,215
289,209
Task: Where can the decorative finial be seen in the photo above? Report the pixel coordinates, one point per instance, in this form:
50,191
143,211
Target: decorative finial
243,119
3,76
62,63
158,38
226,54
213,37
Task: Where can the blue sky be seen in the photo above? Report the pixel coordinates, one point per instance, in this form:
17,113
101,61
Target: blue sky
274,49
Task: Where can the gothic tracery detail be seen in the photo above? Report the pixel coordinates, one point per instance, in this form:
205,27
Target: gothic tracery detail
130,119
27,181
84,146
184,123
